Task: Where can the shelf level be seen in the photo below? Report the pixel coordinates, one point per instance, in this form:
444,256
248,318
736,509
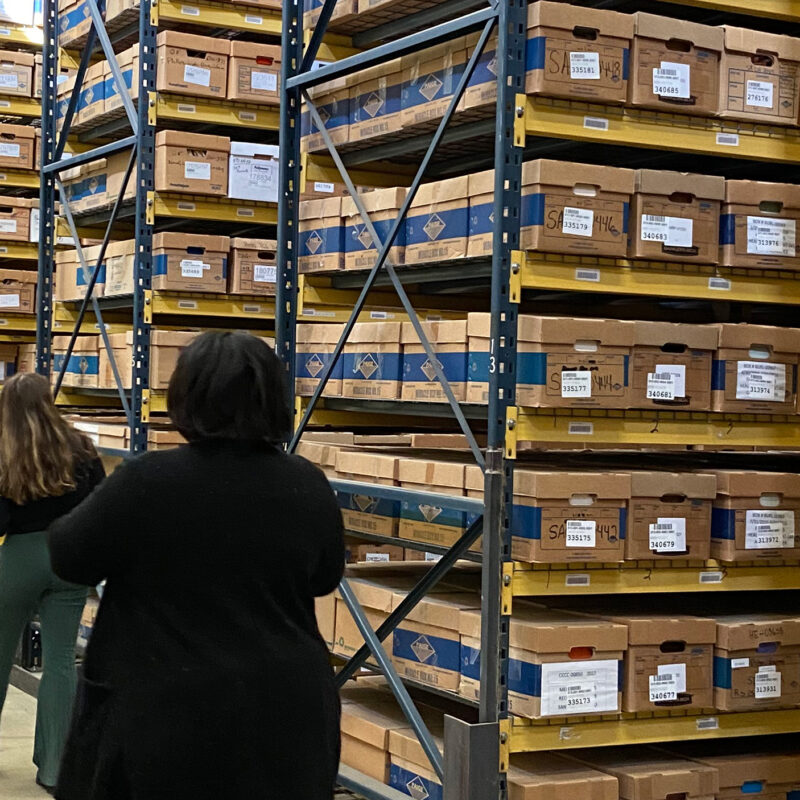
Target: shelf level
26,251
788,10
21,36
252,19
19,178
220,209
20,106
17,322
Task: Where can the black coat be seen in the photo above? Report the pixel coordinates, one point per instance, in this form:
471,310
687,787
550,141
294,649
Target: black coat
206,677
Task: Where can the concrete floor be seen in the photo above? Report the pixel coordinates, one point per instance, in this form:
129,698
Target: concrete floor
17,772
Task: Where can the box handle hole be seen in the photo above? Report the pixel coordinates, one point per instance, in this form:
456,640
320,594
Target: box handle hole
582,500
673,498
752,787
770,207
581,653
673,347
767,648
673,646
583,32
679,45
265,61
760,351
762,59
586,346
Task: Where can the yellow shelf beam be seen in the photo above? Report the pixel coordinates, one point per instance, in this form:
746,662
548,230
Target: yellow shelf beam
207,208
788,10
208,305
221,15
21,36
217,112
17,322
20,106
27,251
565,734
22,178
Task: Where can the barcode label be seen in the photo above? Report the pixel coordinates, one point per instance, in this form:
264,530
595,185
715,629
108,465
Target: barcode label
708,724
578,579
245,212
595,123
252,19
580,429
711,577
592,275
379,315
185,108
719,284
190,11
251,309
728,139
247,116
187,304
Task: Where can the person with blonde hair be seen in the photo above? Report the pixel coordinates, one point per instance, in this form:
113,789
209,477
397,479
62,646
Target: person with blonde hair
46,469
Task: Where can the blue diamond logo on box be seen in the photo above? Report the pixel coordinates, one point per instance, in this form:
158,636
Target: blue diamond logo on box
423,649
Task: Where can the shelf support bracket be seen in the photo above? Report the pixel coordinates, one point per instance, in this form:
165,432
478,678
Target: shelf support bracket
512,420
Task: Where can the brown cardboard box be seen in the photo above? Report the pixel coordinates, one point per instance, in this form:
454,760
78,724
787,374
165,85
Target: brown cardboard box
343,11
82,368
315,346
164,439
481,214
321,235
332,101
194,65
670,516
192,162
325,610
254,73
321,454
481,90
584,208
675,65
372,365
755,370
410,771
647,773
672,365
382,206
755,516
190,262
253,266
103,432
120,265
759,225
18,291
16,146
437,225
376,601
15,218
16,73
676,216
360,512
129,67
165,348
547,776
26,358
759,77
757,661
375,102
71,279
449,341
567,517
577,52
373,553
669,663
579,661
74,20
92,94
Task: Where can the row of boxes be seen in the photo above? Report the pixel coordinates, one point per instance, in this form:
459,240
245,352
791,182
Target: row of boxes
114,433
577,53
182,262
574,209
564,362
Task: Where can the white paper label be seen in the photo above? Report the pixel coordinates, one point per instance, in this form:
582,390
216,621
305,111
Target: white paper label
191,268
672,80
570,688
9,80
9,301
728,139
432,557
584,66
740,663
264,273
326,188
766,530
668,535
8,226
671,231
578,221
595,123
252,19
768,684
591,275
377,557
760,380
771,237
677,672
197,171
576,383
678,374
720,284
660,386
199,76
580,429
190,11
663,688
9,150
759,94
264,81
581,533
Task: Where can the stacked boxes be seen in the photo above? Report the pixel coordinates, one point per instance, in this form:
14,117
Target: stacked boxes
83,365
192,163
375,102
373,363
383,206
254,73
449,341
193,65
17,291
364,513
430,77
128,62
190,262
314,349
321,240
437,225
375,600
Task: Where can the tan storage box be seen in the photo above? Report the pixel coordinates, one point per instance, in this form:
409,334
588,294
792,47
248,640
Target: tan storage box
120,267
17,291
26,358
129,67
321,235
362,513
376,601
315,346
74,21
164,439
383,206
253,266
189,262
82,368
547,776
16,73
254,73
71,279
193,65
91,103
437,224
373,553
325,612
192,162
15,218
375,102
332,101
449,341
373,361
17,146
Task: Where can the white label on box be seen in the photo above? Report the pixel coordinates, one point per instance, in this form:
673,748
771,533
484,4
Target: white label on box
581,533
771,237
678,374
660,386
677,672
759,94
9,150
323,188
9,301
432,557
584,66
586,688
264,273
663,688
190,11
8,226
578,221
264,81
768,684
672,80
668,535
191,268
768,529
671,231
576,383
9,80
740,663
197,170
760,380
199,76
378,557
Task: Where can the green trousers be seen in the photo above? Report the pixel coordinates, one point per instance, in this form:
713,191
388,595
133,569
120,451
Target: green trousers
28,585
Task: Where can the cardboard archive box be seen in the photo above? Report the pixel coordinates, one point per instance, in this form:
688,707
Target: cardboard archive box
190,262
755,516
8,361
561,664
332,101
15,218
449,341
321,235
16,73
365,513
755,370
192,162
758,227
547,776
74,21
579,53
375,102
193,65
165,348
18,291
757,662
480,231
83,364
676,216
314,350
759,77
253,172
437,225
383,206
26,358
372,553
568,517
575,208
373,361
376,601
98,183
254,73
410,771
343,10
319,453
164,439
675,65
16,146
669,516
120,265
129,67
92,97
672,365
72,281
253,266
482,86
63,74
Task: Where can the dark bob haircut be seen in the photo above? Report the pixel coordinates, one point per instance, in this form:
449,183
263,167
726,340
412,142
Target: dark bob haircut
229,386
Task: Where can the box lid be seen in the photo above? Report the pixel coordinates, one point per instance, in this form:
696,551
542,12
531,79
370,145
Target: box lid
165,437
439,610
665,29
193,141
479,324
453,331
758,193
265,54
481,183
185,241
16,57
658,334
12,132
18,202
748,631
127,247
744,336
369,332
243,243
375,200
545,172
18,276
253,150
316,333
190,41
432,474
664,182
547,776
567,17
403,742
655,629
735,770
441,192
373,595
572,330
564,485
323,455
321,208
752,484
368,465
368,715
694,485
744,40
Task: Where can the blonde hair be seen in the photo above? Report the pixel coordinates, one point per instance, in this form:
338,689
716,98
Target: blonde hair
39,449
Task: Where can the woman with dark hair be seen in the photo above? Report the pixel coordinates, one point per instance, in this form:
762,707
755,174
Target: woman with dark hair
46,469
206,676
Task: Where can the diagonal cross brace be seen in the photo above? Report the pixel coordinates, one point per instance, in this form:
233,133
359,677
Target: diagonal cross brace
73,98
317,35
